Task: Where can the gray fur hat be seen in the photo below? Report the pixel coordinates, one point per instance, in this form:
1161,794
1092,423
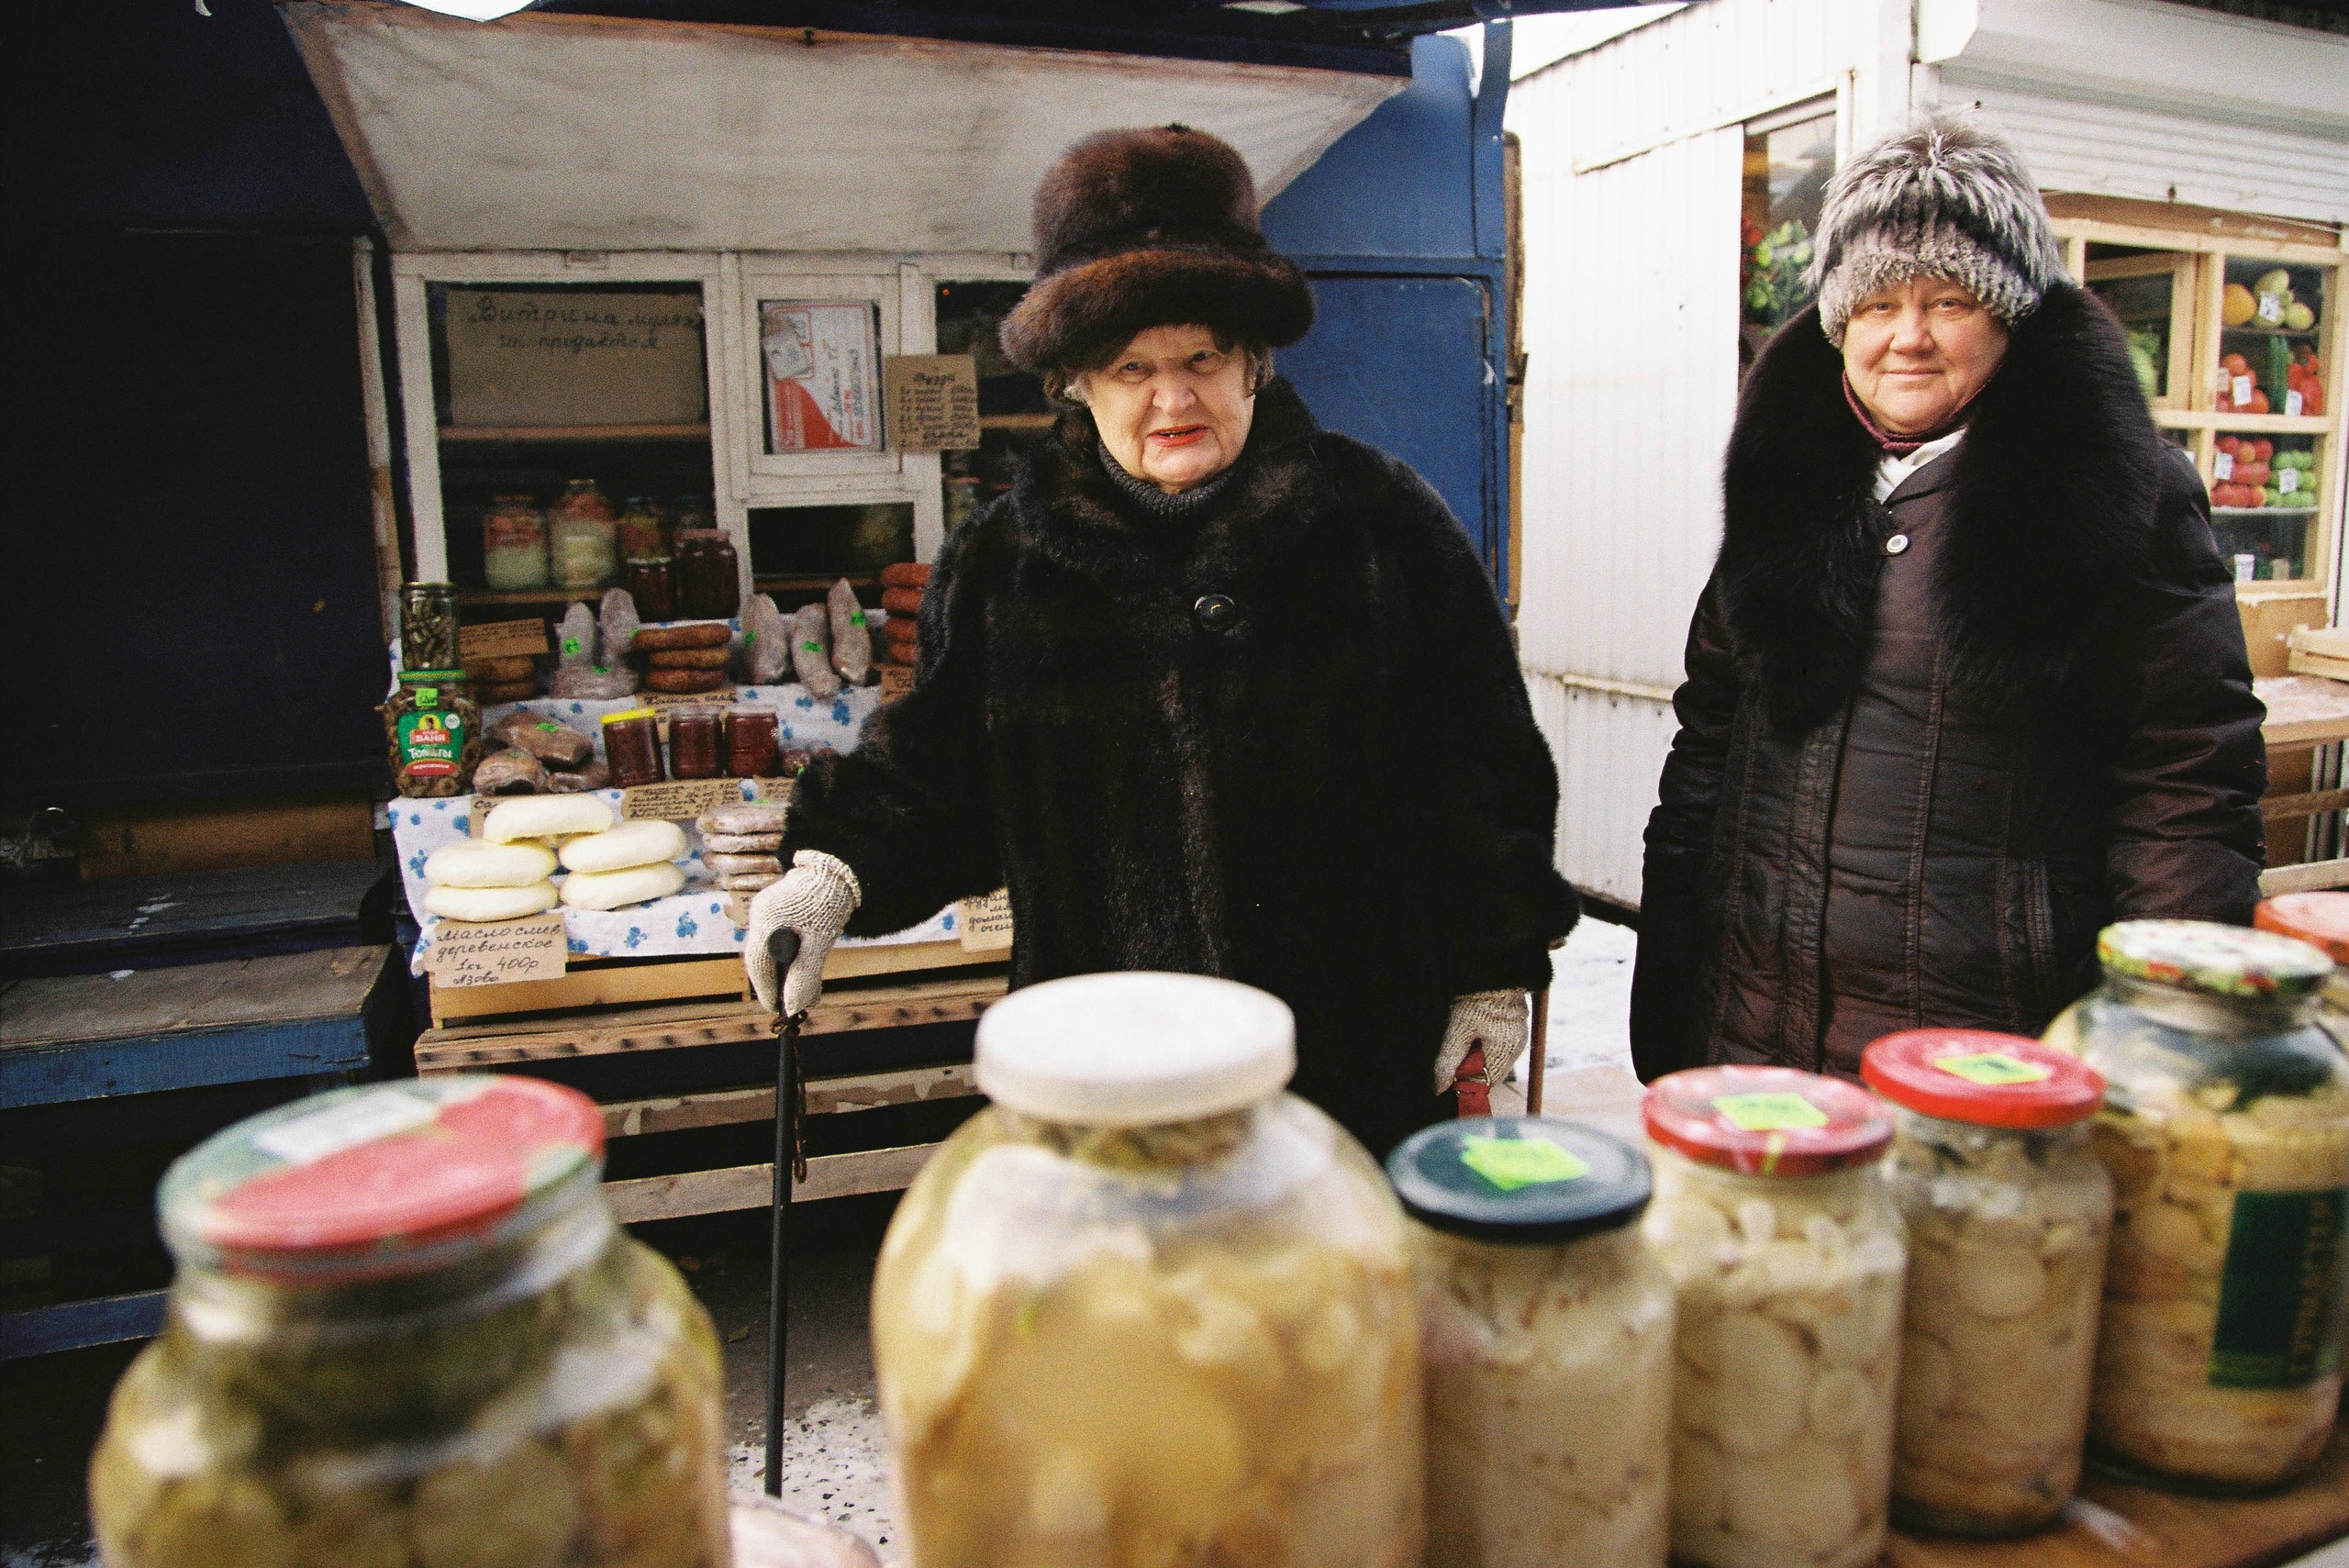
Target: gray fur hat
1947,197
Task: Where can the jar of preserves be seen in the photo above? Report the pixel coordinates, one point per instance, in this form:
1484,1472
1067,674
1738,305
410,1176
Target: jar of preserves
405,1328
643,528
751,742
694,749
2321,920
583,545
632,747
2008,1213
432,727
1545,1333
1784,1251
428,626
2225,1126
514,544
1147,1307
710,584
651,583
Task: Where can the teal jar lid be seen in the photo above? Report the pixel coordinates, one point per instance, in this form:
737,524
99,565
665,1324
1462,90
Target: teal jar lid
2213,959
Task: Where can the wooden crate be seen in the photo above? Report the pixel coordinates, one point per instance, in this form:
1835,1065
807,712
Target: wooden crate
2271,612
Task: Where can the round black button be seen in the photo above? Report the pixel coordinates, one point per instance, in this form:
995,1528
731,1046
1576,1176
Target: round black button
1216,612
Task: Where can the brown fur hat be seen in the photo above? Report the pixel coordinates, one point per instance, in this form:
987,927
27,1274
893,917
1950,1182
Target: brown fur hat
1149,228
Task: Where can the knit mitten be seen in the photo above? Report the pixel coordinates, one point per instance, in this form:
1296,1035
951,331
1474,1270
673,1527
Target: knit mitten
815,899
1498,1020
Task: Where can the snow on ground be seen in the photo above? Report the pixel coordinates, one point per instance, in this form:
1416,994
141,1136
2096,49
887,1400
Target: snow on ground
1590,997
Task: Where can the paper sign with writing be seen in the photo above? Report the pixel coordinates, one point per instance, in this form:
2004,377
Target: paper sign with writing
496,952
478,815
502,640
679,800
775,790
661,702
896,680
985,922
542,356
933,401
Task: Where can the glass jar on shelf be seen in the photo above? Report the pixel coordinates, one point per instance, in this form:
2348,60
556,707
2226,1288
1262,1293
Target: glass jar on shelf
752,743
1146,1307
652,585
632,747
643,528
710,584
1785,1250
1546,1337
2008,1212
514,544
2225,1127
429,625
582,543
694,752
406,1328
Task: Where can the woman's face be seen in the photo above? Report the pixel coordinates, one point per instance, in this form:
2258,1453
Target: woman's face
1916,350
1172,407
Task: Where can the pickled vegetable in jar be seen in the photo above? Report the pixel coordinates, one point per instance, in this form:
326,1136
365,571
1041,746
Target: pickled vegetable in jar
428,626
644,529
632,747
432,727
1146,1308
1545,1333
405,1329
2008,1213
582,542
2225,1126
1785,1251
514,544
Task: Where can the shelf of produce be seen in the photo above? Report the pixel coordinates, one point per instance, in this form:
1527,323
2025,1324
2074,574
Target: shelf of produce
696,432
2253,424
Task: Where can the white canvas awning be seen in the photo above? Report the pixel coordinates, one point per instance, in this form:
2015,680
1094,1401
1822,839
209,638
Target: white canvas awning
559,132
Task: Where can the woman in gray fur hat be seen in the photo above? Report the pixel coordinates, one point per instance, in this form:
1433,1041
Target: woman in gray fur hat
1171,689
1967,683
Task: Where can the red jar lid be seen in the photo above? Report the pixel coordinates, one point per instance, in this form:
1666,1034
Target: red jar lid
1766,1121
2319,919
379,1179
1983,1078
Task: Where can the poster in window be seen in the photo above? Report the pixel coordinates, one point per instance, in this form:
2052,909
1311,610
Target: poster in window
823,375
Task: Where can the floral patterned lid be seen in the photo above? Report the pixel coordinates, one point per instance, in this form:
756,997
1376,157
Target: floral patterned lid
2214,960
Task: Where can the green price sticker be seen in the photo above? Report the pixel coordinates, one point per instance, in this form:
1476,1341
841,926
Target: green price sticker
1513,1162
811,646
749,638
856,619
1994,1069
570,645
1768,1112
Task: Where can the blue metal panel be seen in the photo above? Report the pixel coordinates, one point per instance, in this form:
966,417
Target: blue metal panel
72,1325
1400,184
90,1070
1400,362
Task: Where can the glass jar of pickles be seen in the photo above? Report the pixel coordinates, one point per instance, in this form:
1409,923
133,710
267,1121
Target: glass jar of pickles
2225,1126
2008,1212
514,544
1546,1336
582,542
1785,1250
405,1329
1146,1308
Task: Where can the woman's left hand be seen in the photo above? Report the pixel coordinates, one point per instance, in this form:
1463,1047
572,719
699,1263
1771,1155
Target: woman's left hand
1497,1020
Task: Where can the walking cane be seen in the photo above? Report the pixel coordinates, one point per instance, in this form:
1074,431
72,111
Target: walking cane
790,1165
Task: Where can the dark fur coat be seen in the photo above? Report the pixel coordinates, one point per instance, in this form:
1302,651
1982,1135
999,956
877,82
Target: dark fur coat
1340,796
2063,702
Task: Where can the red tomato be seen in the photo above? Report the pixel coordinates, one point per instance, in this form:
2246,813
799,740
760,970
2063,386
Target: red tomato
2266,449
2228,443
2258,403
2235,364
2251,473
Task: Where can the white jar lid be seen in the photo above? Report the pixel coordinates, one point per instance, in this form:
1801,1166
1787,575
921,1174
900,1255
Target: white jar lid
1128,1049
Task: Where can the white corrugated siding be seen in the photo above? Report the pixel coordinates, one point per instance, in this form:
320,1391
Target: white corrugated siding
2100,149
1609,751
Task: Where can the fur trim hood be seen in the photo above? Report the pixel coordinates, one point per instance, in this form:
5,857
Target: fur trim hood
1149,228
2053,490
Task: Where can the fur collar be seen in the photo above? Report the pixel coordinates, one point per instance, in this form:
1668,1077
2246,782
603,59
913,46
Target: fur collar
1071,510
2050,511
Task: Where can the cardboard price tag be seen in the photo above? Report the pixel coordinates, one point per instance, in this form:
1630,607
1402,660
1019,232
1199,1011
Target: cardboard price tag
679,800
896,680
478,815
502,640
497,952
775,790
661,702
985,922
933,401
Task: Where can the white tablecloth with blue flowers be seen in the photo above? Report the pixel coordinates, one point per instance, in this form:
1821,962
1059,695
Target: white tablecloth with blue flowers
692,922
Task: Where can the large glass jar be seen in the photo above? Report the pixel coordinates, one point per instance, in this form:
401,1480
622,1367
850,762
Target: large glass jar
1545,1329
429,625
643,528
1785,1249
632,747
514,544
582,544
2226,1128
1146,1308
710,584
2008,1212
405,1330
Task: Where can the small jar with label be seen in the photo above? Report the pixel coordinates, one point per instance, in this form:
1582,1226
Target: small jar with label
1785,1251
752,742
2008,1212
428,626
693,748
2225,1127
432,725
583,545
632,747
514,544
710,584
1546,1332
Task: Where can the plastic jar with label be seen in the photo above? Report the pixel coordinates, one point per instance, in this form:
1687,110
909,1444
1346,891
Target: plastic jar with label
2008,1213
514,544
1785,1250
694,752
432,727
1146,1308
752,742
405,1329
2225,1126
1545,1331
632,747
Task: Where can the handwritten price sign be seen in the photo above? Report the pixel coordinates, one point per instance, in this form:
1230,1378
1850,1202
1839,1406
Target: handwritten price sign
497,952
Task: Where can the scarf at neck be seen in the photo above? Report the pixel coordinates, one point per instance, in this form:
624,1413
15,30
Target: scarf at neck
1151,502
1903,445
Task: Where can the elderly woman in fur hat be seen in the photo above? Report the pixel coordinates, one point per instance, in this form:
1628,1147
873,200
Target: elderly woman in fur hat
1211,690
1967,683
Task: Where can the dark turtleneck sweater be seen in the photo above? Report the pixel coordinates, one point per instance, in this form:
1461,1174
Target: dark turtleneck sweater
1150,501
